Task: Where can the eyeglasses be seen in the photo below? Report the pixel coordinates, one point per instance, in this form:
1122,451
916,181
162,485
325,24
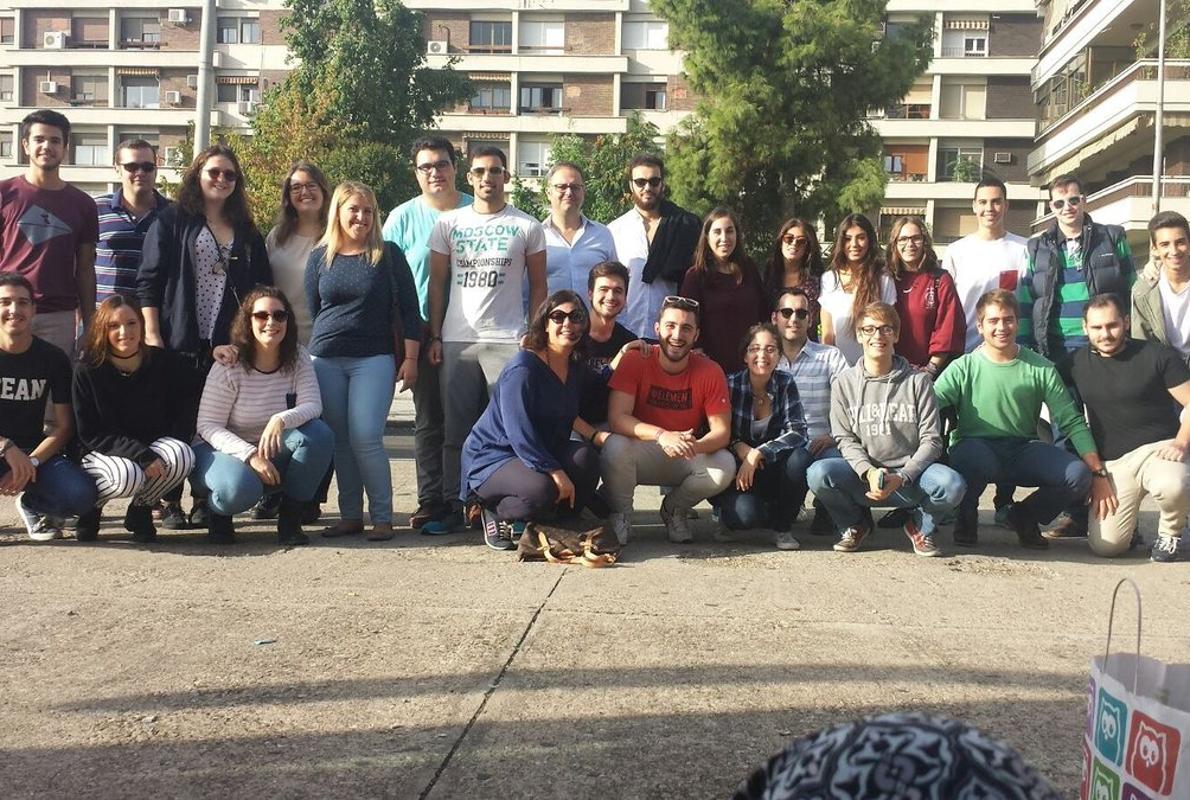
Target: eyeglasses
904,240
298,188
229,175
577,317
1074,200
800,313
429,166
133,167
796,241
872,330
563,188
280,315
641,183
495,172
756,349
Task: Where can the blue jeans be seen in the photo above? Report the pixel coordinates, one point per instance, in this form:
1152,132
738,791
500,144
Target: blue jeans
231,486
61,489
937,493
356,396
1062,479
778,491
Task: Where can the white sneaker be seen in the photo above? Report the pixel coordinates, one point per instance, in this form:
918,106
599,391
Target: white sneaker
785,541
620,526
40,528
675,523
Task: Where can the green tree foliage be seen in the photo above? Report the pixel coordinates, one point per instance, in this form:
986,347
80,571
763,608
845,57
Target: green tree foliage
359,95
785,88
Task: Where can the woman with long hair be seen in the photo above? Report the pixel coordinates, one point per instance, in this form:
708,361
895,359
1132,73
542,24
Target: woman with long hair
361,293
301,224
796,263
134,414
933,326
201,257
519,460
259,424
726,284
855,279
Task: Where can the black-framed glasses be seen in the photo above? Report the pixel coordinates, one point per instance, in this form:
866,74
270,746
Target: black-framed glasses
576,317
133,167
872,330
229,175
563,188
1074,200
426,167
495,172
298,188
641,183
800,313
904,240
278,315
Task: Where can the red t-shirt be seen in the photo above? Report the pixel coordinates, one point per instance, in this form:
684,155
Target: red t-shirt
40,233
673,402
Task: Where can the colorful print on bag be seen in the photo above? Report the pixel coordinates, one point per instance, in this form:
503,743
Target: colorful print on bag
1084,785
1105,783
1090,724
1111,728
1153,753
1132,793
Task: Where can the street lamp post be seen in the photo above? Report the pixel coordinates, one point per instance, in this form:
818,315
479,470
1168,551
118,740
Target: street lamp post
1159,117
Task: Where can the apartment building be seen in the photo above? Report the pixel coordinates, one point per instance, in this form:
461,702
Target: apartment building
970,114
1096,92
553,66
123,70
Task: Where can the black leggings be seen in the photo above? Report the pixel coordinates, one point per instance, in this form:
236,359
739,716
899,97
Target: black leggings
516,492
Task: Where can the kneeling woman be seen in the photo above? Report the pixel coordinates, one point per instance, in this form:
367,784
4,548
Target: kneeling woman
768,432
519,459
259,422
133,406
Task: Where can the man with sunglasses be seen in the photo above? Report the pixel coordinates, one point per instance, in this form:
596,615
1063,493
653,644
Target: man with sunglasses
655,239
481,257
124,219
1067,265
409,227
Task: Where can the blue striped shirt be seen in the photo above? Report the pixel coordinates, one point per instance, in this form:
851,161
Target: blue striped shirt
814,371
121,238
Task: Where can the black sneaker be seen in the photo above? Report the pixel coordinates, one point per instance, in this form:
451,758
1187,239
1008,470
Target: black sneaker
139,520
894,519
173,518
1028,533
267,507
312,512
498,534
220,530
87,529
1168,549
821,525
966,530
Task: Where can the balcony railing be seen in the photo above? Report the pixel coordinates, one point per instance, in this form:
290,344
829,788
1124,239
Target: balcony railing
908,111
907,177
1144,70
960,52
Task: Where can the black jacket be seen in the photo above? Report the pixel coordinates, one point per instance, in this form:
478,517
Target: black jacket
166,280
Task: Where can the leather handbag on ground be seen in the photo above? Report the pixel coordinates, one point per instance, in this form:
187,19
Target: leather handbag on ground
597,547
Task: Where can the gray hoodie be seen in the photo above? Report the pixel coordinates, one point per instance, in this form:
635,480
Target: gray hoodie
889,421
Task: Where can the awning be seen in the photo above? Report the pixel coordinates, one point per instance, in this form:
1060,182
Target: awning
489,76
902,211
240,80
146,72
965,25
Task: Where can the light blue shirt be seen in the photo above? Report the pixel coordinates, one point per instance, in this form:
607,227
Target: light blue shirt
568,264
408,227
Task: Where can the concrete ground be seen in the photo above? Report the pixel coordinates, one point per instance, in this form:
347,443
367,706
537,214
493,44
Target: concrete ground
436,668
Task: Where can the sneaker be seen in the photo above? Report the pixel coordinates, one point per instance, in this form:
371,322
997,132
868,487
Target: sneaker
174,518
498,534
200,513
621,526
139,520
1002,515
785,541
1168,549
821,525
676,523
923,543
722,535
426,512
267,507
965,534
852,538
450,522
87,529
40,528
1067,528
311,512
1027,530
894,519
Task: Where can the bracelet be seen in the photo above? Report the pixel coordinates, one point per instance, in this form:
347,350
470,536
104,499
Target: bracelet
434,339
660,432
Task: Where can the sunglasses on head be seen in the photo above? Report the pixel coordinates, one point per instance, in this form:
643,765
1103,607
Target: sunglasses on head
677,301
229,175
576,317
133,167
278,316
1074,200
641,183
800,313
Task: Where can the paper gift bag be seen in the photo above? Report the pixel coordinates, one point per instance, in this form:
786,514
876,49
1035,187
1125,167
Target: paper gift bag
1136,744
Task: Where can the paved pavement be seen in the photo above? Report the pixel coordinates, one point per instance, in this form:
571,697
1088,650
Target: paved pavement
424,668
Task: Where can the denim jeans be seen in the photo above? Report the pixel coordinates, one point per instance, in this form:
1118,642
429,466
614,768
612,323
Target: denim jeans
1062,479
777,493
798,492
937,493
61,489
231,486
356,396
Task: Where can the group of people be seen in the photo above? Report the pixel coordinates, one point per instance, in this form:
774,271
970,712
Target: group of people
559,364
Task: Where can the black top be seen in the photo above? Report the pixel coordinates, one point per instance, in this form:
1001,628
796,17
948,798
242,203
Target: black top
27,381
1127,395
593,402
121,415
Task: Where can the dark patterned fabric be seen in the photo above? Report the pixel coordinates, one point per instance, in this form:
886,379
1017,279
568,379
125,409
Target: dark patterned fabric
897,757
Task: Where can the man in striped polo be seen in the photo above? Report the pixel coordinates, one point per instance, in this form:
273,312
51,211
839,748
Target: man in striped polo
124,219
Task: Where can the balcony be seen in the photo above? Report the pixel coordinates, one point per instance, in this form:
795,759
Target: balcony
1090,22
530,62
504,124
956,128
518,5
907,177
124,57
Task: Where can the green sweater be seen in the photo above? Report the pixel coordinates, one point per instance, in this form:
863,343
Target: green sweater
1004,400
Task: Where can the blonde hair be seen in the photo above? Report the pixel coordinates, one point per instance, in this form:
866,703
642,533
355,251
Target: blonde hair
334,237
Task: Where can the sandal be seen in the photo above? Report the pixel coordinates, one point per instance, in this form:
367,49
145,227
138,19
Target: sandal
381,533
343,528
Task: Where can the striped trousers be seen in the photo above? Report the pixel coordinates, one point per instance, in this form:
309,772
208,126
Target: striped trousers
122,477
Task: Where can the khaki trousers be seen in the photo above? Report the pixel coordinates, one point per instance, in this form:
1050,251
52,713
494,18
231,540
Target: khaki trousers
1134,475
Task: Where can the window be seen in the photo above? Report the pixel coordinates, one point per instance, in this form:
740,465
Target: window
141,31
8,29
975,45
90,149
961,43
249,93
894,165
238,30
649,96
647,35
6,146
226,93
492,97
543,99
88,89
89,32
491,37
141,93
533,159
7,88
544,36
960,164
963,101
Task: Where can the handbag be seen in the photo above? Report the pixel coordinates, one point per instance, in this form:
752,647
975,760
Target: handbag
597,547
1136,743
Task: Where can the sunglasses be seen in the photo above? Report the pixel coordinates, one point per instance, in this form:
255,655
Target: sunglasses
278,316
576,317
799,313
1075,200
427,167
796,241
133,167
229,175
641,183
676,301
495,172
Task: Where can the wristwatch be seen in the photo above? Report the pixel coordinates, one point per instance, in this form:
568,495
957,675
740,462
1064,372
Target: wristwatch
1100,473
35,461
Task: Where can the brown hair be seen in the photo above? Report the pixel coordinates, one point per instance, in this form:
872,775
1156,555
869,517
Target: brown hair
883,312
867,282
774,272
892,255
241,329
704,259
997,297
236,208
608,269
287,215
538,336
760,327
95,347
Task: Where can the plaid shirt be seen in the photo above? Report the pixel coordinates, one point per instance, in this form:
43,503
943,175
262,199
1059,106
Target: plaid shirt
787,427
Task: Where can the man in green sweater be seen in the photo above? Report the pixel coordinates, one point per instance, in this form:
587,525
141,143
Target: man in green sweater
997,392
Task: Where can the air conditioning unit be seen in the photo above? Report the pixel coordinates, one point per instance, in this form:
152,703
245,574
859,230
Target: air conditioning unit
247,107
173,157
179,16
192,81
48,87
217,60
54,40
437,47
1002,158
173,98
